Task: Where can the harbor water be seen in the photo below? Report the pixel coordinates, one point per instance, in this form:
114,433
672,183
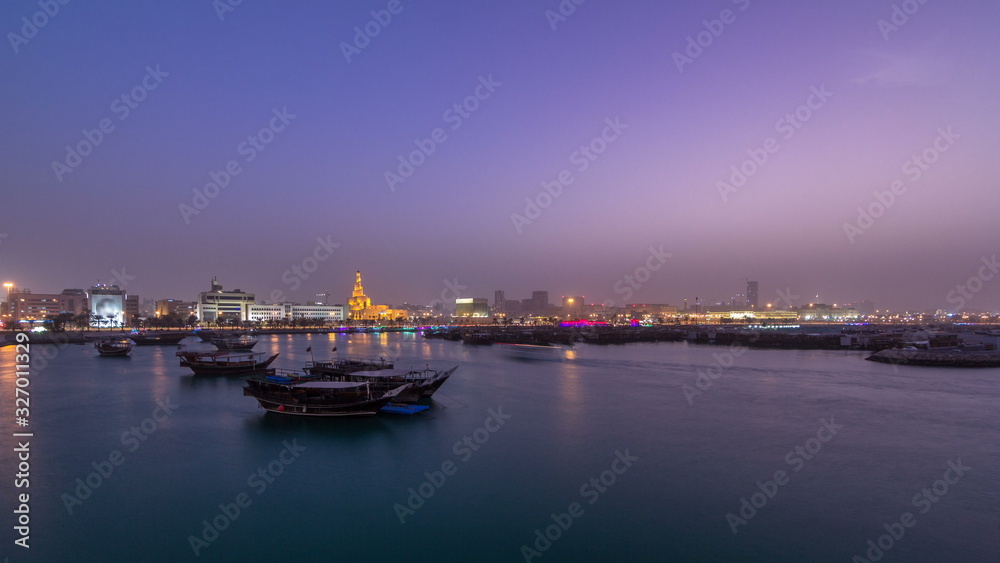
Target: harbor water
640,452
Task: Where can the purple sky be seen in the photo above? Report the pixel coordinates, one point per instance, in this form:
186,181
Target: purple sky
551,91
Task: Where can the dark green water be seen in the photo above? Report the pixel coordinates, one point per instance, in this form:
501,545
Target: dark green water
335,497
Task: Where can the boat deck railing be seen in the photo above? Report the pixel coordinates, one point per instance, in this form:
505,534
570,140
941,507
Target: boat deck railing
349,360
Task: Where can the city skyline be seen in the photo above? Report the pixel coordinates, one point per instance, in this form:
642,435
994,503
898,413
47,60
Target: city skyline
419,146
537,300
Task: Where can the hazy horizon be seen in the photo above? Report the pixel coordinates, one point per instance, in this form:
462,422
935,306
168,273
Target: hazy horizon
827,108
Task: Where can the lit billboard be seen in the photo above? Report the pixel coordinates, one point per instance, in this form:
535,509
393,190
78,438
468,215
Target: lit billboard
107,310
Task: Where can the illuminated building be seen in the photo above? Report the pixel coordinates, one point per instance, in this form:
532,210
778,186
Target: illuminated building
472,307
23,305
217,303
182,309
817,312
318,311
359,302
293,311
107,306
768,315
361,308
8,305
259,313
573,306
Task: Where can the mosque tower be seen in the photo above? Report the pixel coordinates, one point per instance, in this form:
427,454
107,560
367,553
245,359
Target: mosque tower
358,301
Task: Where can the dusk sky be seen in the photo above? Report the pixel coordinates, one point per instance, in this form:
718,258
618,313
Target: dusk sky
340,111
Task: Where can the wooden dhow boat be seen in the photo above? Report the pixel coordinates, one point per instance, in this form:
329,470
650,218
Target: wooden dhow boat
224,363
304,396
113,347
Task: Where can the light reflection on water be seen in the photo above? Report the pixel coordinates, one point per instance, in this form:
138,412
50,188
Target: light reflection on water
566,420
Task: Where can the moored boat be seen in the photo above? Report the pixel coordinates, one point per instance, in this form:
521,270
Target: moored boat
289,395
234,342
423,383
344,365
224,363
153,338
113,346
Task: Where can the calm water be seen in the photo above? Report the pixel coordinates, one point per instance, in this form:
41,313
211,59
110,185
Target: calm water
335,497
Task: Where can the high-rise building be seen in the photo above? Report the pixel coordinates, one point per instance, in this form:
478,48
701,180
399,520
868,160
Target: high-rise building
752,297
540,302
131,307
8,304
498,298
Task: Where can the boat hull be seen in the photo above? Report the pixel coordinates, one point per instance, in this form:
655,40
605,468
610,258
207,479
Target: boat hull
225,368
114,353
305,410
153,339
114,348
429,386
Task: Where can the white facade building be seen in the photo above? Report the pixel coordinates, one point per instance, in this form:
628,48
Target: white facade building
234,304
293,311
